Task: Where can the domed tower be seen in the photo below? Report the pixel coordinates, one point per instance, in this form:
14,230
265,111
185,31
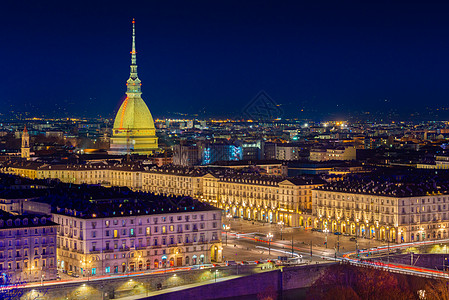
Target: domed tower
25,150
133,130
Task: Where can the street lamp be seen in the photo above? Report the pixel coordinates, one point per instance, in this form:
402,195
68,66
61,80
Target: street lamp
269,236
281,224
228,216
216,271
226,228
326,231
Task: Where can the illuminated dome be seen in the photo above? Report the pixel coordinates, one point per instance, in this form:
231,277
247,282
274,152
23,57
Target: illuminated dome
133,130
133,114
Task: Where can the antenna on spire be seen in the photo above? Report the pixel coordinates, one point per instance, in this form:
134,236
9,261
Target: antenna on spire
133,82
133,51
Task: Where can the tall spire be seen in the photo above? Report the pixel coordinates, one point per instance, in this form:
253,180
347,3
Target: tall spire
133,82
133,51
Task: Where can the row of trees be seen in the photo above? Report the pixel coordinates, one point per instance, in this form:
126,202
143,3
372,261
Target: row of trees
345,282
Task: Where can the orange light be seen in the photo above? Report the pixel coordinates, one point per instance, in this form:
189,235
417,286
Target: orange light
123,112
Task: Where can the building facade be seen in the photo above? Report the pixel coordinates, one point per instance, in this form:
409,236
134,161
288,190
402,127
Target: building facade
381,216
265,199
27,247
261,198
135,240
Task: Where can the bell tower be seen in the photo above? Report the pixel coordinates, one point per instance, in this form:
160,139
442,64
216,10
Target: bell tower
25,150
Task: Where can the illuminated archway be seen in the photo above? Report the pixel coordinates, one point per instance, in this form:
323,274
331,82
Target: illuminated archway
309,222
352,228
362,230
343,227
382,235
372,231
392,236
334,226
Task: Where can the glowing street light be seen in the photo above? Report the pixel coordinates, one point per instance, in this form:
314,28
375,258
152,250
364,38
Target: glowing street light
269,236
226,228
281,224
326,231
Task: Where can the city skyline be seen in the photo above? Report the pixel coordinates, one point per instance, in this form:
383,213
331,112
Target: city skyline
213,59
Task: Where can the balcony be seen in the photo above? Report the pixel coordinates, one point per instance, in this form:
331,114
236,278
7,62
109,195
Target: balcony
108,250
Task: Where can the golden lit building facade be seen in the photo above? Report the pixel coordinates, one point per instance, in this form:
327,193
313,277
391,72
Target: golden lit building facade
260,198
381,217
265,199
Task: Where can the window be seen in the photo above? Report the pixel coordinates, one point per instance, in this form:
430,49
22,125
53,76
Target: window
148,231
115,233
107,269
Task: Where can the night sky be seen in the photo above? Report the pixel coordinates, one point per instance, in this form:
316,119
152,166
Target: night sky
213,57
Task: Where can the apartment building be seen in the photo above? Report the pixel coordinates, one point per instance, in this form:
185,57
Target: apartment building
27,247
252,196
261,198
123,235
395,211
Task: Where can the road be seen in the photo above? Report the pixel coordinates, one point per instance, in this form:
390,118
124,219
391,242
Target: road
244,238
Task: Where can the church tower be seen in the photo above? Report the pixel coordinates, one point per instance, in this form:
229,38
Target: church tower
25,150
133,130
